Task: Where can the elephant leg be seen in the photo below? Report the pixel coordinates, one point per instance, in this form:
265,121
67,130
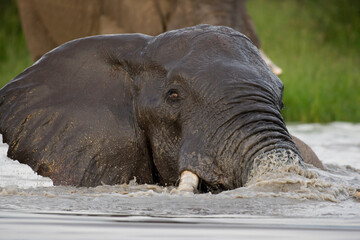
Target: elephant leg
37,38
307,153
48,24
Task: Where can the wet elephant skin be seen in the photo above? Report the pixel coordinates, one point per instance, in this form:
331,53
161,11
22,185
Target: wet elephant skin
106,109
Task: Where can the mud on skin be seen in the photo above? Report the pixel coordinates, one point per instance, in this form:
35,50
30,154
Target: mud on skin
106,109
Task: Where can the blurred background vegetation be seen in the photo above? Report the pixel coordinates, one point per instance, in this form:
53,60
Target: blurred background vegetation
14,56
315,42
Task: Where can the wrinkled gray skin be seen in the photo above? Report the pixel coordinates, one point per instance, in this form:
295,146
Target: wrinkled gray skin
101,110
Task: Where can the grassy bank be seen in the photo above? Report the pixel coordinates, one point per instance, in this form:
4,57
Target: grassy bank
315,42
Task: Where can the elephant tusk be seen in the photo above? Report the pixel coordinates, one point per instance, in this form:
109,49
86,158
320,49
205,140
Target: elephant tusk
188,182
278,71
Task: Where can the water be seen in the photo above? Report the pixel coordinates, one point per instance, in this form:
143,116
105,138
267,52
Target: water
283,203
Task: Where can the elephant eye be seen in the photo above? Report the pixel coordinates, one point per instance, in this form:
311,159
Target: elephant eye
173,95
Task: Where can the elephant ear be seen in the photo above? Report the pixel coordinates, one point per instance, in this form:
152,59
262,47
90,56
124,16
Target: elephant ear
70,116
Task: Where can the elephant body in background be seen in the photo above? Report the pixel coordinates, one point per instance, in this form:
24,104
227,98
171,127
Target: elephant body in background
106,109
48,24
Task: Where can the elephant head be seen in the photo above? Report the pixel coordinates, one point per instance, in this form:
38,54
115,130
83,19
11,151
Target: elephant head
107,108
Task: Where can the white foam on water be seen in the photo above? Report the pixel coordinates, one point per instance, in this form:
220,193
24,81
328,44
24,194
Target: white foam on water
13,173
295,182
279,174
335,143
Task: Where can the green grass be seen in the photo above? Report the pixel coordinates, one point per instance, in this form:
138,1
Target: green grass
315,42
14,56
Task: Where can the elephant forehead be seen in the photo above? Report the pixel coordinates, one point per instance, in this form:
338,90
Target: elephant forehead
224,70
226,79
221,70
207,52
226,76
206,43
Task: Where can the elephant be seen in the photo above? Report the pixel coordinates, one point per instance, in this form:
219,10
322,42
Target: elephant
48,24
195,105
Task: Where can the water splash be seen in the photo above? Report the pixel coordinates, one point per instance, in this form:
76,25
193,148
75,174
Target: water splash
286,190
13,173
281,173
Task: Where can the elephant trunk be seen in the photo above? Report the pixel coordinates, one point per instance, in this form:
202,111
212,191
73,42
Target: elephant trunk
270,161
232,157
